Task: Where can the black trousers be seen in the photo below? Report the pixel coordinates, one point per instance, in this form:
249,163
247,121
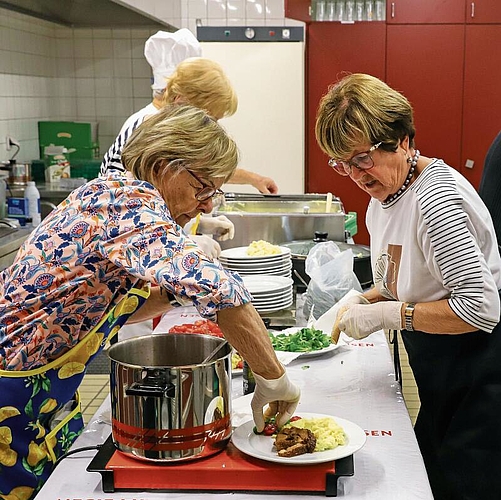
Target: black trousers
458,427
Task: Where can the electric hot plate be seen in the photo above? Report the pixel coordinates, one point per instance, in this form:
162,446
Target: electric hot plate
228,471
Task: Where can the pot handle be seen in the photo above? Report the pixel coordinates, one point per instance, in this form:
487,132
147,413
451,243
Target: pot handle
151,391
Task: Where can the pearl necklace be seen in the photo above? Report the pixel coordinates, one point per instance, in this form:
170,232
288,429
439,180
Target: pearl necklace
413,161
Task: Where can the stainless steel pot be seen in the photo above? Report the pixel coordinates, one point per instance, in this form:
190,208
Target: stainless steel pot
166,405
19,173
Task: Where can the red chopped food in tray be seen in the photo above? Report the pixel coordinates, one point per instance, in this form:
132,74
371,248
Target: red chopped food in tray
204,326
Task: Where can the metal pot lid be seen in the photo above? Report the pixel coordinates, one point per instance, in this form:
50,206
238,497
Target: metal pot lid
301,248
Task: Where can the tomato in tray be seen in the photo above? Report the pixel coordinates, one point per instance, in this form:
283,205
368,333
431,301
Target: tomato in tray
204,326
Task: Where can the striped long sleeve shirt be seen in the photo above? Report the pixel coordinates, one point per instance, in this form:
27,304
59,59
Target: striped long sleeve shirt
437,241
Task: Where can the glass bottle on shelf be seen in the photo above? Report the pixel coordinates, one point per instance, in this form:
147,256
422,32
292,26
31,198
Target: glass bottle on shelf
340,4
359,10
350,10
369,10
380,8
319,10
331,10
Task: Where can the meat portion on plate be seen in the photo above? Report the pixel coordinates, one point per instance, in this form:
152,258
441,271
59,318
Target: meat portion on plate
293,441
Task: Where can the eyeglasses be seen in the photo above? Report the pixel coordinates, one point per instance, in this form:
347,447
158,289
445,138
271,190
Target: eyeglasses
207,191
362,161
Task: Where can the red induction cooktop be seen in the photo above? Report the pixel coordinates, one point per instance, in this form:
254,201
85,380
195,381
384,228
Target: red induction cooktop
229,470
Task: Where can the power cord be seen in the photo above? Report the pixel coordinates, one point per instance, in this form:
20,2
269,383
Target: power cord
77,450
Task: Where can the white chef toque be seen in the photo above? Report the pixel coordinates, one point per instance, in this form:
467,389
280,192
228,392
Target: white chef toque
164,51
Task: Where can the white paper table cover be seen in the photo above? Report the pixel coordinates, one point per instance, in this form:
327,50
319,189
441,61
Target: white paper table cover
355,382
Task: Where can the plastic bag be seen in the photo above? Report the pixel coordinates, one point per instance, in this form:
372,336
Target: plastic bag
332,277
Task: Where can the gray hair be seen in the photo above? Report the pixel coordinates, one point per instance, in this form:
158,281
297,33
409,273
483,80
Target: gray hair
180,133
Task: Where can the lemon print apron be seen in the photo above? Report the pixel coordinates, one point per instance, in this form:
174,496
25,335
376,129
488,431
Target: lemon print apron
31,436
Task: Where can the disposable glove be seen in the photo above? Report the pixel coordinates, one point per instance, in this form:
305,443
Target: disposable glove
359,320
221,227
352,298
329,321
209,246
280,394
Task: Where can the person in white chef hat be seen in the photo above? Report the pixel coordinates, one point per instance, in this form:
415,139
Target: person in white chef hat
164,51
173,58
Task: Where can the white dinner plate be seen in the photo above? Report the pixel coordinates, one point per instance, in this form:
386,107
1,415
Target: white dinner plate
260,446
266,283
270,309
243,264
273,302
272,295
286,274
240,253
309,354
260,269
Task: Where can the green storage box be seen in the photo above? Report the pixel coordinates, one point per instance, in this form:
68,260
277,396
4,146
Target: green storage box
350,223
80,136
85,168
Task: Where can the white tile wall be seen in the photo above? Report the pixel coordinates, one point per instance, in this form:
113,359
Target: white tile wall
48,72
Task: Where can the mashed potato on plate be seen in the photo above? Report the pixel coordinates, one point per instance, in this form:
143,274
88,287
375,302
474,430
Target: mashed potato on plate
262,248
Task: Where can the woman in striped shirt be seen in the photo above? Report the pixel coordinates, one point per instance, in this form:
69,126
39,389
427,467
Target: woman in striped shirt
437,275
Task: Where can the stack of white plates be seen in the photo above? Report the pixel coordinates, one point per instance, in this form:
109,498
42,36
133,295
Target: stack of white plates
237,260
270,293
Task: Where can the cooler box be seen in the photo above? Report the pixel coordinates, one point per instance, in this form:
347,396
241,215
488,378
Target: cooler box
80,136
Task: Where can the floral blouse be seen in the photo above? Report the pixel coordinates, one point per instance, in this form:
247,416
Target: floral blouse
110,235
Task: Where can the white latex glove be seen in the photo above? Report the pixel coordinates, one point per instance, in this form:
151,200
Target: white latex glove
208,245
329,321
351,299
280,394
360,320
219,226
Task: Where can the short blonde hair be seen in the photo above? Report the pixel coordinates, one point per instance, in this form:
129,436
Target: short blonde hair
359,109
202,83
180,134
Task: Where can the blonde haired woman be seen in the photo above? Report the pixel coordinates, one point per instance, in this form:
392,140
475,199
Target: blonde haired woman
202,83
88,268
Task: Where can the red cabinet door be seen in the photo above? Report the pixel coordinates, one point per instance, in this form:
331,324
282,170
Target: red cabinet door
482,97
334,48
483,11
433,85
425,11
298,9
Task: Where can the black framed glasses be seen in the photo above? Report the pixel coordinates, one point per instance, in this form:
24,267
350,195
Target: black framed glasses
362,161
207,191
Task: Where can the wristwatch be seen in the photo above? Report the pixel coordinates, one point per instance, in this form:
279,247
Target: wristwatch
409,316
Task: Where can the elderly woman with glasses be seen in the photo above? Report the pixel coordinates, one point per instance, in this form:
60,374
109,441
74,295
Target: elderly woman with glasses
112,252
437,275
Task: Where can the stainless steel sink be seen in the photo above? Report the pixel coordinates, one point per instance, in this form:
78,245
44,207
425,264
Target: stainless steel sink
5,230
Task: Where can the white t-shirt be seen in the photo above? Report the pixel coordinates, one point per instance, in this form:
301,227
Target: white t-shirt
437,241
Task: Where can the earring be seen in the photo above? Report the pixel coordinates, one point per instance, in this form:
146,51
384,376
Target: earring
409,159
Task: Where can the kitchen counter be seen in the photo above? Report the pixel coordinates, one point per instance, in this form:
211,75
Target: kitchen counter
355,382
47,191
10,241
